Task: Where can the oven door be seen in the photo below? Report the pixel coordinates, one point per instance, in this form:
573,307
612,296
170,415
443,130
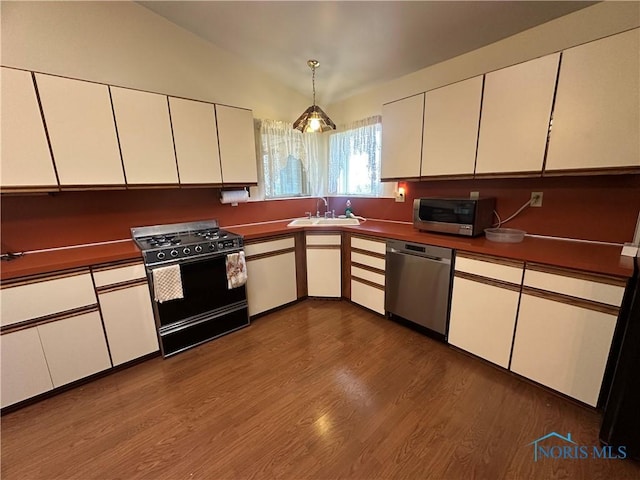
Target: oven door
209,307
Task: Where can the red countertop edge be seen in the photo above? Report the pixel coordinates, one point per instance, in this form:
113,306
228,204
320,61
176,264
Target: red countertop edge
589,257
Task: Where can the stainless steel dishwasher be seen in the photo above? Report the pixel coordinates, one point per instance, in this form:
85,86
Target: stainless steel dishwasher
418,284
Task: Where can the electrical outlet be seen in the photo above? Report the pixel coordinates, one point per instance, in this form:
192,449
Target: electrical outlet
536,199
400,195
474,195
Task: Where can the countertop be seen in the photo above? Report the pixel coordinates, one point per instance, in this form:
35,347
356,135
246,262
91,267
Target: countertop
589,257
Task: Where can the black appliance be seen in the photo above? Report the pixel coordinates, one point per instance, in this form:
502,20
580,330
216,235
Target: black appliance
458,216
209,308
621,419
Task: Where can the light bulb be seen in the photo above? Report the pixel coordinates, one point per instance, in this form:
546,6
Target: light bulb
314,124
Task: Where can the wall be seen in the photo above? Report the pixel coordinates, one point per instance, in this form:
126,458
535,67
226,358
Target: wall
583,26
602,208
123,43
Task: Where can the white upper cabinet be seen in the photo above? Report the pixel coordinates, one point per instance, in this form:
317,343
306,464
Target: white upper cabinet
596,120
402,138
451,117
26,160
145,136
196,140
516,111
82,131
236,136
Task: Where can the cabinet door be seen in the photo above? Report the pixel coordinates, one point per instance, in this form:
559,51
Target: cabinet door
271,282
564,347
24,368
324,273
196,140
236,136
74,347
26,160
82,131
483,319
516,111
451,120
402,138
596,119
145,136
129,323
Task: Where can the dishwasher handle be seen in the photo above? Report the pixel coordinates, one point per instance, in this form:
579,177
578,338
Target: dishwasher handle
421,255
430,252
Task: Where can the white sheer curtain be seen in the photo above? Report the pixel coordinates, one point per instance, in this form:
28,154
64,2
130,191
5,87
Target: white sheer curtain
354,158
291,161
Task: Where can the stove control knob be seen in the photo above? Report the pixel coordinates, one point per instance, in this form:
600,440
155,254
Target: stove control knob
212,247
186,250
198,248
174,253
220,245
161,255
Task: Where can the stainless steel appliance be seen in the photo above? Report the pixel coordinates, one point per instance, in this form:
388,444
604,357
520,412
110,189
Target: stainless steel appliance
458,216
209,308
418,284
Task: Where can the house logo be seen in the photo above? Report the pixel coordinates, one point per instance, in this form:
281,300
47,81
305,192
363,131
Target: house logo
564,447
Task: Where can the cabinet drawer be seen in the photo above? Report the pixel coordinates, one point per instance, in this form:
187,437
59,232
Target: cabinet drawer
368,260
367,296
369,245
506,273
575,287
269,246
111,276
374,277
47,297
323,240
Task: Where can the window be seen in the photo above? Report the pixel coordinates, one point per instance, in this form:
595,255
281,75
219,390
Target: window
354,159
290,165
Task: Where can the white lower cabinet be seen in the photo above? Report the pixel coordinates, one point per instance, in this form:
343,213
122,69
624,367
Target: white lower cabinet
129,323
562,346
74,347
483,318
23,365
271,279
324,266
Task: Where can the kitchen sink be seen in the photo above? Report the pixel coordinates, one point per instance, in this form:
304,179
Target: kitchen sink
322,222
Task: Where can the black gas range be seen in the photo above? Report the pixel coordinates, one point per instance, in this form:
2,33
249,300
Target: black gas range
164,244
193,262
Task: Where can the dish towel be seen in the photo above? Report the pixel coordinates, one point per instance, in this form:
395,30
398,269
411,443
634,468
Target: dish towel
167,283
236,270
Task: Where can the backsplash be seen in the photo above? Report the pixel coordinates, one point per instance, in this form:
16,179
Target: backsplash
603,208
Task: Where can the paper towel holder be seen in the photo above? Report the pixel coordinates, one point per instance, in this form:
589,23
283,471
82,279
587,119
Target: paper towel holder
234,196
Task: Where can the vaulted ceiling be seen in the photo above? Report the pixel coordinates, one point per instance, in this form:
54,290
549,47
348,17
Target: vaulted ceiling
358,43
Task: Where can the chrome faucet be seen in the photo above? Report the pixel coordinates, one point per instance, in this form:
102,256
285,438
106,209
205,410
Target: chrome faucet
326,207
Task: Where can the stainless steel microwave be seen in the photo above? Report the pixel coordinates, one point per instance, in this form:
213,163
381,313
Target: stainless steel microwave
458,216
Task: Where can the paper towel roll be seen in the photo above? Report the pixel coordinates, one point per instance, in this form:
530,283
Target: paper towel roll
234,196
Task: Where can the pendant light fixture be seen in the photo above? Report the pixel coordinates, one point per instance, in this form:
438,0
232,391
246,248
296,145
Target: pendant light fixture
313,119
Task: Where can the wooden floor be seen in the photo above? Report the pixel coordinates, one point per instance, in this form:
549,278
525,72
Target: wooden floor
322,389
